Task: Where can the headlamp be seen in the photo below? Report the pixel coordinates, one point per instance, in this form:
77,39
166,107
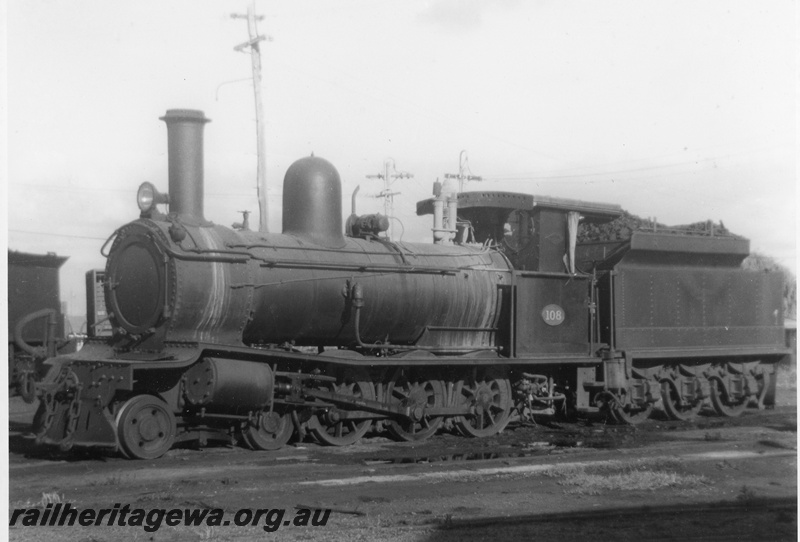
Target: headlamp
147,197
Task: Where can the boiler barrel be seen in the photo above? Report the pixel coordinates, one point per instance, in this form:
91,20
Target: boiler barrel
437,288
221,286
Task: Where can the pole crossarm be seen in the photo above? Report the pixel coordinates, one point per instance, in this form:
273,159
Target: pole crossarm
250,43
389,175
240,16
461,176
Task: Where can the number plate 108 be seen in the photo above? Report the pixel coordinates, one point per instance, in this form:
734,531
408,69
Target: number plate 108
553,315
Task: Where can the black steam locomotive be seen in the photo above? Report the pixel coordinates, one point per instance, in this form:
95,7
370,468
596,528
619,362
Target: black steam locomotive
252,337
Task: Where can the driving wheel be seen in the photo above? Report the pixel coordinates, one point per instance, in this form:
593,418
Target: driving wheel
490,397
329,428
417,396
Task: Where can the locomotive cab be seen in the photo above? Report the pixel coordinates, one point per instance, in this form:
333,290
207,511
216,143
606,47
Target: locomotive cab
552,299
537,233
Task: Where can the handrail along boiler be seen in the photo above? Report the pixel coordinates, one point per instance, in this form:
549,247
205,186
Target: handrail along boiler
252,337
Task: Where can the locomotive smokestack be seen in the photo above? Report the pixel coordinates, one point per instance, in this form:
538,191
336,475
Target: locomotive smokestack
185,142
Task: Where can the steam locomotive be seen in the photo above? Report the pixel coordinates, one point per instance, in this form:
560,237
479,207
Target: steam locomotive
330,329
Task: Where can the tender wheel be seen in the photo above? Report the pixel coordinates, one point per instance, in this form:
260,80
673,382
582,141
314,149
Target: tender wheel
630,414
272,432
328,430
491,397
722,403
672,404
622,411
145,427
416,395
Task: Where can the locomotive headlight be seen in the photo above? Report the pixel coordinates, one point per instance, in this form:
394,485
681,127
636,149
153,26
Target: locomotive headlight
148,197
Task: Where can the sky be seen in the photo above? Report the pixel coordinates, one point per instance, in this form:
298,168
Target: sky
679,110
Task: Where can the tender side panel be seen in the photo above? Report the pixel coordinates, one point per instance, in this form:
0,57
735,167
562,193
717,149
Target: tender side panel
677,307
679,295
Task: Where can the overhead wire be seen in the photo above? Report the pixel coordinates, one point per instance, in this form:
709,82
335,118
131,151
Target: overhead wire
119,190
422,111
556,178
52,234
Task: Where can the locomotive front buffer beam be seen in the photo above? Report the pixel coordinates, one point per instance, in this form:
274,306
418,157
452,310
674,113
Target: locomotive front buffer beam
73,404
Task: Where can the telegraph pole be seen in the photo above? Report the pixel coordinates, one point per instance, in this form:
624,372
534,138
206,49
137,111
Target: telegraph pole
389,176
462,177
255,57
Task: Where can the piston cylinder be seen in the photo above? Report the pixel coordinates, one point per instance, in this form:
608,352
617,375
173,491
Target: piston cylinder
227,385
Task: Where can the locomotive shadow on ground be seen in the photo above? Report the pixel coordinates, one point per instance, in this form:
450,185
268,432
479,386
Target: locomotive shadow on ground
21,441
786,427
628,523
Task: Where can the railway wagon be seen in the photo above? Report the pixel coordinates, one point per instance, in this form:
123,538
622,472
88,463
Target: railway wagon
36,329
329,329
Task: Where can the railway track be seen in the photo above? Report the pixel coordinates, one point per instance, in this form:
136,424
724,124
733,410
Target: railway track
451,488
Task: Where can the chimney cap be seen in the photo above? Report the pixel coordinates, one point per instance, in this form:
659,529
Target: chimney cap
184,114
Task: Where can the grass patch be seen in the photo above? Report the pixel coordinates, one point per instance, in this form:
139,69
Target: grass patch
641,475
596,484
47,498
615,467
113,480
746,495
596,478
51,498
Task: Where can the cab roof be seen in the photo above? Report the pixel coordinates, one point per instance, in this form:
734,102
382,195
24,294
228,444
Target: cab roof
592,212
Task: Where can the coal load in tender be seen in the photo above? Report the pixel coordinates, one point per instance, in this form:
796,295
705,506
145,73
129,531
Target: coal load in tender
623,227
